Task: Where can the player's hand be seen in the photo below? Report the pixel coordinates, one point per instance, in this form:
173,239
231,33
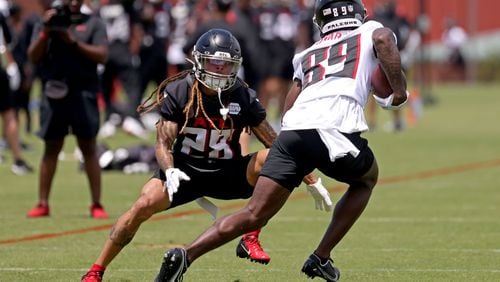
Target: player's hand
174,177
321,196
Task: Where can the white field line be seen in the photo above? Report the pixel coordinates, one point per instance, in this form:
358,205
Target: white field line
325,217
431,270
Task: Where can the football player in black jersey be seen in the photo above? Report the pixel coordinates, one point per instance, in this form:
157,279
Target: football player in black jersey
203,112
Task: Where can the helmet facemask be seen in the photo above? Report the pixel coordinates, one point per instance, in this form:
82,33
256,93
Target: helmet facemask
214,80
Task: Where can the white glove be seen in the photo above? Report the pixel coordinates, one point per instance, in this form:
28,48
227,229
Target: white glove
209,206
174,177
386,103
14,76
321,196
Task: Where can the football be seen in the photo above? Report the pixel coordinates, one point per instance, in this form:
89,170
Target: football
380,85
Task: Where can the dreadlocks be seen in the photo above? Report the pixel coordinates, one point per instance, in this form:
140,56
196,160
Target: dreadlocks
148,105
196,93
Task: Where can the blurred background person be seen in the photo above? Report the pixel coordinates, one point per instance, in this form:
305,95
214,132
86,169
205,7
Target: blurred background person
124,34
10,79
180,13
22,31
68,38
454,37
156,26
278,22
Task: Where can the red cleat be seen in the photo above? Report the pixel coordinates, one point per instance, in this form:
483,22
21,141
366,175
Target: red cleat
39,211
97,211
93,276
249,247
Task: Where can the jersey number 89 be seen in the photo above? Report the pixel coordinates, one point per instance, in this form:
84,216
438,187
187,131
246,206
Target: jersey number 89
339,60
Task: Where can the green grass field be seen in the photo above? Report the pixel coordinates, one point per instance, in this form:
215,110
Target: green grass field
434,216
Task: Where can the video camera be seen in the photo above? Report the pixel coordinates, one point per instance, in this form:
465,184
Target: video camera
63,17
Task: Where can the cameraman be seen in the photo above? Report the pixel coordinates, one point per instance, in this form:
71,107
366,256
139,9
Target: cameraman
66,49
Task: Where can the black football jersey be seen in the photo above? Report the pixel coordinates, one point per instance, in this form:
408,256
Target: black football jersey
199,140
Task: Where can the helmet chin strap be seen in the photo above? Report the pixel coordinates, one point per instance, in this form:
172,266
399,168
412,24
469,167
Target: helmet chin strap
223,111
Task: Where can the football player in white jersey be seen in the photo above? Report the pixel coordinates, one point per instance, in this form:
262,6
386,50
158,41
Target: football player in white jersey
322,128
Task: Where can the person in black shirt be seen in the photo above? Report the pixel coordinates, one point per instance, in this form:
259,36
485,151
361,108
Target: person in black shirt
9,82
66,49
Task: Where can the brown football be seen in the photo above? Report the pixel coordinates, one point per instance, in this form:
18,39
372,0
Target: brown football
379,82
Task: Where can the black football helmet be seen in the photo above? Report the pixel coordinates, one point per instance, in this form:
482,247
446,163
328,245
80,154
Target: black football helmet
331,15
217,46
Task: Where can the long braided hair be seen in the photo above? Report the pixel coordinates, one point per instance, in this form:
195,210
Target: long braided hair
148,105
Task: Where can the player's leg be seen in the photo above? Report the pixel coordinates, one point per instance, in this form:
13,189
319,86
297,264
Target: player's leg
152,200
48,165
249,246
266,201
84,122
346,212
10,128
88,147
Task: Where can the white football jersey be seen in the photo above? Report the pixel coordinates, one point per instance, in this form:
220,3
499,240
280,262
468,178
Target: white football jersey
335,73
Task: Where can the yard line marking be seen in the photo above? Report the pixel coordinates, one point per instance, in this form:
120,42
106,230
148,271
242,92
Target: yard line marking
440,172
465,270
357,270
295,196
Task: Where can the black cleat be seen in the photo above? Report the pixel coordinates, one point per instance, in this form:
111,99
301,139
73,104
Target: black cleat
313,267
173,266
20,167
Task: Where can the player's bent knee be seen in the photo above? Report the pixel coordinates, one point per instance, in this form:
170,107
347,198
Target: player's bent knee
142,209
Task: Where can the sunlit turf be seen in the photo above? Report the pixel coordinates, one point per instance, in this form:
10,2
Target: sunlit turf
438,221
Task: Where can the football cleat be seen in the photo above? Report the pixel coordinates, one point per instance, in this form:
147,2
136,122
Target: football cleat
173,266
20,167
249,247
313,267
93,276
39,211
97,211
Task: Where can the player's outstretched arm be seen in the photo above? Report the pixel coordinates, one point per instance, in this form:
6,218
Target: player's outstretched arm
265,133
